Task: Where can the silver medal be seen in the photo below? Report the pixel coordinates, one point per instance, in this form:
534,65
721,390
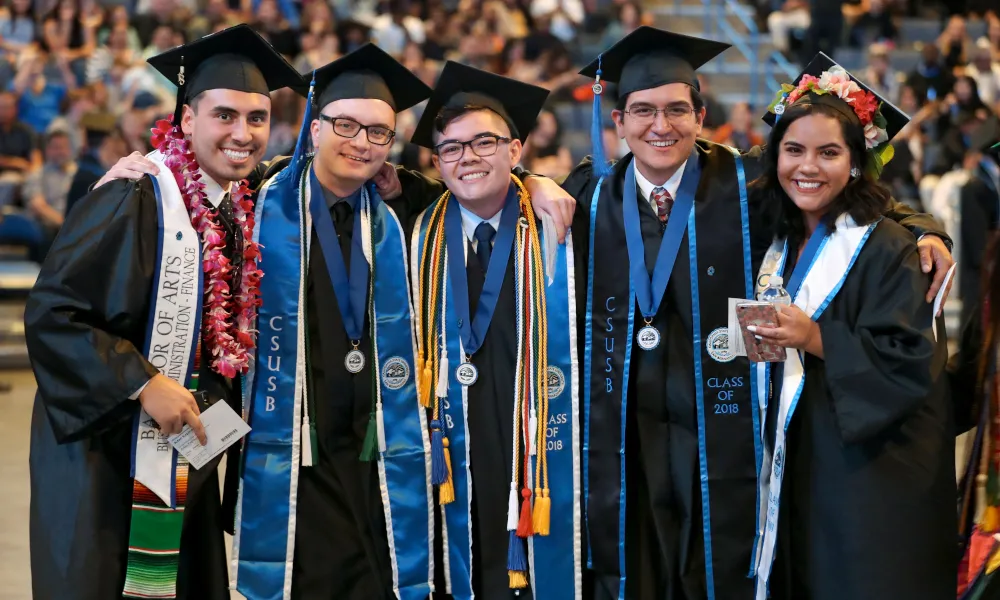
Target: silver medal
354,361
467,374
648,337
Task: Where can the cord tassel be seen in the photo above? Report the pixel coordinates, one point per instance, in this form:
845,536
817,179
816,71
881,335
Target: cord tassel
439,471
442,383
446,492
422,395
524,525
543,506
380,422
370,445
512,508
307,443
517,563
425,385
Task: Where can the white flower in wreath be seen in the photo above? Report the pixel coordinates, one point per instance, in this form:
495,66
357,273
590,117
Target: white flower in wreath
874,136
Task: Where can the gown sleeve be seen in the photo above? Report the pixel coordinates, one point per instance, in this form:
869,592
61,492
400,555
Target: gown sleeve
919,224
964,380
878,369
89,308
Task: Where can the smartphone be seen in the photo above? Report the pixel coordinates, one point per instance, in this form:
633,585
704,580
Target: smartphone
759,314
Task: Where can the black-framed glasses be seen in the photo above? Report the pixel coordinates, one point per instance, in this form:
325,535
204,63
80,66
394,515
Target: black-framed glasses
481,145
647,114
349,128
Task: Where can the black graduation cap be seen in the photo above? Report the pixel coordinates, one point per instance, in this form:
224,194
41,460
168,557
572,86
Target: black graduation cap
459,85
369,72
895,118
236,58
650,57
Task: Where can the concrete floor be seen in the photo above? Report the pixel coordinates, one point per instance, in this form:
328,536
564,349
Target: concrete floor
15,420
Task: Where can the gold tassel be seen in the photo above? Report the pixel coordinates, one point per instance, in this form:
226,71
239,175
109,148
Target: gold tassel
446,491
543,506
518,579
991,519
420,380
425,386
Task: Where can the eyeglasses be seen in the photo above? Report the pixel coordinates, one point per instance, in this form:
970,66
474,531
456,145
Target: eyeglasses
483,145
647,114
349,128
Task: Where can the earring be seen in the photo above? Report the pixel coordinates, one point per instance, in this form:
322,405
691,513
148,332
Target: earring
855,172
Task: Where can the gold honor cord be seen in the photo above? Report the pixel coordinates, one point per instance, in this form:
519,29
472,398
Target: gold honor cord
531,397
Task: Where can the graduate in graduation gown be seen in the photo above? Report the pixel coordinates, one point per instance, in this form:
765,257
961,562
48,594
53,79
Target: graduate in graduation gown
497,338
349,514
671,437
858,487
94,351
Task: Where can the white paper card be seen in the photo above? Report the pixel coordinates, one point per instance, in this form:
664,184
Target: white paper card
939,299
223,428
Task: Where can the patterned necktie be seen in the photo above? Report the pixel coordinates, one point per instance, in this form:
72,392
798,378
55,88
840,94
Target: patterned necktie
663,203
484,243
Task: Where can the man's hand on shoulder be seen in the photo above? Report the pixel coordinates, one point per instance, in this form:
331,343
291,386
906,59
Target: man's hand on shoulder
133,166
548,198
387,182
935,257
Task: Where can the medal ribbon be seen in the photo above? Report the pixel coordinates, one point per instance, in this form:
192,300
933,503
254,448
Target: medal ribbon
805,262
649,293
350,291
473,331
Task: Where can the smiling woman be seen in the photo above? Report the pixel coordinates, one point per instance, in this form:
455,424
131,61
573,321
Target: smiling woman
858,439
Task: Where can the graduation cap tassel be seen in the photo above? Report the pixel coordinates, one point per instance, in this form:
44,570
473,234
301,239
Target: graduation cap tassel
179,107
303,140
600,162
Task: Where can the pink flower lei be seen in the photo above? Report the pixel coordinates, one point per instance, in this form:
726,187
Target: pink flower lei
228,318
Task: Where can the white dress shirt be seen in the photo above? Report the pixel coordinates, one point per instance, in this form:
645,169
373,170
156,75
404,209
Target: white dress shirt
471,220
646,186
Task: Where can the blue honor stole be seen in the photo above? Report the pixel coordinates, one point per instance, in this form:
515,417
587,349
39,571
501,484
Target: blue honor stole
553,560
280,441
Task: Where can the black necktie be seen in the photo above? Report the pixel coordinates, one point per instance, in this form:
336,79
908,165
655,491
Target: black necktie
484,239
234,237
343,221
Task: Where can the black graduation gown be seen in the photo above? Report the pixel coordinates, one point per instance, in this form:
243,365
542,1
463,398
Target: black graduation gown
341,547
980,206
664,539
85,323
868,501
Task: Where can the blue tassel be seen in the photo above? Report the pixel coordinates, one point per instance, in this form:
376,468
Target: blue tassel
516,558
439,470
600,162
302,143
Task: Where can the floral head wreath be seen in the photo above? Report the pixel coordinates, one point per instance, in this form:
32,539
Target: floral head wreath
866,105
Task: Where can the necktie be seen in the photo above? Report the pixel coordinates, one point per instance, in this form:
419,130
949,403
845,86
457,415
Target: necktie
484,243
663,201
234,237
343,221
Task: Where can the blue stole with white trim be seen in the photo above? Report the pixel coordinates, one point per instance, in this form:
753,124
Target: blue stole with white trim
280,442
692,397
555,560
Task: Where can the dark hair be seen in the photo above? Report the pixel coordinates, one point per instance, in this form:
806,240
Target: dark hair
450,113
54,134
696,100
863,198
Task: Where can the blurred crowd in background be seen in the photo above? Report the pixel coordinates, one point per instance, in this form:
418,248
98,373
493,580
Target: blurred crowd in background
76,93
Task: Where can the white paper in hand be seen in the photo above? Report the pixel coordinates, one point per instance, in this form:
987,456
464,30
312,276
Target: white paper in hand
939,299
223,428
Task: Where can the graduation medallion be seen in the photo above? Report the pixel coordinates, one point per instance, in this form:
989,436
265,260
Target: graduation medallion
467,374
354,361
648,337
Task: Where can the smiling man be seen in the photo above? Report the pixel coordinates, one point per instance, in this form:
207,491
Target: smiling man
497,336
112,327
671,413
352,514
